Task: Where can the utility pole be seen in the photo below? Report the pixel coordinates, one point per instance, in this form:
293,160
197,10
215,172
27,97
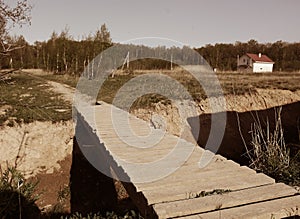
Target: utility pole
126,61
171,62
57,56
237,62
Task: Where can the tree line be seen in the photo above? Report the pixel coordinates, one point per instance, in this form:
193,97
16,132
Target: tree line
224,56
62,54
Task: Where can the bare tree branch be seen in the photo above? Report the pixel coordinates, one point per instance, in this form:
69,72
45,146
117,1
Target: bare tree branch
10,17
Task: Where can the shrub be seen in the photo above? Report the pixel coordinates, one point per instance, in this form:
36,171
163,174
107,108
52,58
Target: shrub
16,195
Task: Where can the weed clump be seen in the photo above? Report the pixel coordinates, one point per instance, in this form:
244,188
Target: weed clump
271,155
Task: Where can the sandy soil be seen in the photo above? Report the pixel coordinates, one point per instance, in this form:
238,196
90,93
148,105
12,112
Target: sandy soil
36,147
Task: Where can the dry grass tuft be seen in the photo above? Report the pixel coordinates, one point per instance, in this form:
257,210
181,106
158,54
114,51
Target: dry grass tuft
270,154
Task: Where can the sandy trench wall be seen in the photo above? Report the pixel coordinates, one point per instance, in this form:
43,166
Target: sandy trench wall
36,147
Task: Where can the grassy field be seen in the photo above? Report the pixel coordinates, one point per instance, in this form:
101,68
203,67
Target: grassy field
27,99
231,83
245,82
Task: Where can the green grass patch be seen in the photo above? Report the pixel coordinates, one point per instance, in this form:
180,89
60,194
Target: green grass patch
231,84
25,99
111,86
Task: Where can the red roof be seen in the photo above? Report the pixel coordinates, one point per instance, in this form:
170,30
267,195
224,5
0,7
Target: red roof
262,58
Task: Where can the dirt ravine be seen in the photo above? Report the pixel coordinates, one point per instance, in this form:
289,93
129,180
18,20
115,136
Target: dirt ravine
40,146
43,150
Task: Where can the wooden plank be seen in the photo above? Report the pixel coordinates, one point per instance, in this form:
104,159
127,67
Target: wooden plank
185,179
182,169
140,130
135,152
228,200
190,168
168,165
229,183
167,148
122,144
275,209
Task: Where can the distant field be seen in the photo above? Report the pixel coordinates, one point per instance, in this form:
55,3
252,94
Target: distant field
231,83
243,82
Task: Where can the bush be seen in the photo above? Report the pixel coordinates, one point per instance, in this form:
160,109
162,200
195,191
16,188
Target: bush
16,195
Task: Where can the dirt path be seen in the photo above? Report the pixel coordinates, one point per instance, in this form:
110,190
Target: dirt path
65,90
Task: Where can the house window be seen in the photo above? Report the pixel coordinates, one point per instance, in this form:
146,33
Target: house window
244,60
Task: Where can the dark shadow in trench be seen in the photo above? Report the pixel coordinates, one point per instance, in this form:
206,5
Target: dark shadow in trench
232,146
91,191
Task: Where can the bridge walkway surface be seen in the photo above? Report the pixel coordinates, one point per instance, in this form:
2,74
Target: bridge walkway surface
163,184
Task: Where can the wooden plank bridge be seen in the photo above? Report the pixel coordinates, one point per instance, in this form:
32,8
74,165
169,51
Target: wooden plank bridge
222,189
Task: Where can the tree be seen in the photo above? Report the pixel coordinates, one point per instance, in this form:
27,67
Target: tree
19,57
10,17
103,35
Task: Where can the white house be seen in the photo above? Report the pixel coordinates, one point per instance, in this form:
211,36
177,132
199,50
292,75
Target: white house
254,63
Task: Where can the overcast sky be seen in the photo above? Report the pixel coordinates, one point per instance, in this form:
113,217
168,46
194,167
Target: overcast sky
192,22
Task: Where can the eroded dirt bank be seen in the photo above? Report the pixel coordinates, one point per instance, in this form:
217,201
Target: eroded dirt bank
168,117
